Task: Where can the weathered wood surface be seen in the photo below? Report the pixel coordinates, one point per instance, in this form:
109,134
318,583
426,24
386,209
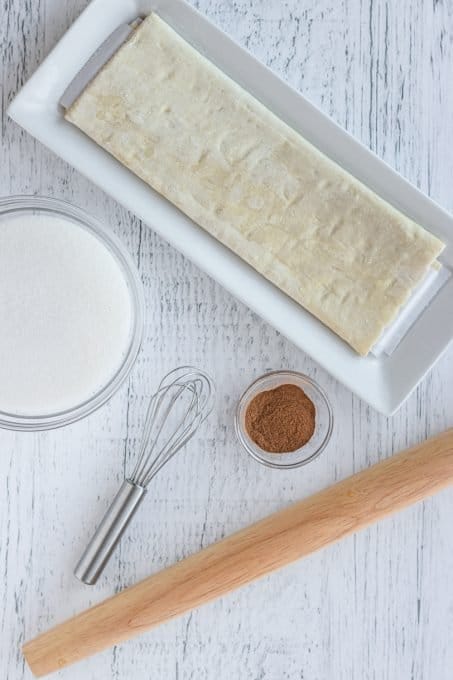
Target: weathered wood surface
377,606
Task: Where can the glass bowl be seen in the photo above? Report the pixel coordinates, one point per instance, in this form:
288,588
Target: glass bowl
323,426
15,205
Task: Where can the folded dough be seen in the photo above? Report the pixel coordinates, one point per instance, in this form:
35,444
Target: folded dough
207,145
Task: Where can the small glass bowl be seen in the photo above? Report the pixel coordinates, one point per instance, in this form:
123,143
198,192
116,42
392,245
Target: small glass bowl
323,427
14,205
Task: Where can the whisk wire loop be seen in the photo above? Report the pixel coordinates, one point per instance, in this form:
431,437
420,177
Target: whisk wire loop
162,439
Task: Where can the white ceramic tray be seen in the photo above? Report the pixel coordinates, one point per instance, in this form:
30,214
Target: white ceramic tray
383,382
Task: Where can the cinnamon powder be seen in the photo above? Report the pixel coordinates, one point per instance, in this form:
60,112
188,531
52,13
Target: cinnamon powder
281,420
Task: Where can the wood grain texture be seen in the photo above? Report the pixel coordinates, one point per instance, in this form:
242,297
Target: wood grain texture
378,606
274,542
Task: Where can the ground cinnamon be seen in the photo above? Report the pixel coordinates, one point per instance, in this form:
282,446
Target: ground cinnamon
281,420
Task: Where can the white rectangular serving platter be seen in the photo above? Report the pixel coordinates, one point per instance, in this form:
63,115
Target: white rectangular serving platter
384,382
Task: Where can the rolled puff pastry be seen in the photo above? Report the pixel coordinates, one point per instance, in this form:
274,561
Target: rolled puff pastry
195,136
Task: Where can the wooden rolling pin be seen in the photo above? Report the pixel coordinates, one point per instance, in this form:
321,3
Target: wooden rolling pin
255,551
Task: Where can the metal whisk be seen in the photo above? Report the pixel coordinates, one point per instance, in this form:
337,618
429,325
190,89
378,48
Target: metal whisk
184,399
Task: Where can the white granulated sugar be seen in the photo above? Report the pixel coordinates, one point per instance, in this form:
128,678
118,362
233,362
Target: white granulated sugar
65,314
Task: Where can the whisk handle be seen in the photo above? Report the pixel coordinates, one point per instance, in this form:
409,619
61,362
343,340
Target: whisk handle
98,551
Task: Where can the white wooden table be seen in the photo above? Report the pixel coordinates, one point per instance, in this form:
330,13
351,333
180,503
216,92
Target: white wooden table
380,604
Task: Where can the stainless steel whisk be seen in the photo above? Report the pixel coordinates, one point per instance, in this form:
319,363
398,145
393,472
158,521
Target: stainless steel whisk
183,400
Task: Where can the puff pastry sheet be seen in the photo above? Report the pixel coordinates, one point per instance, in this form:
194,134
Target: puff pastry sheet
208,146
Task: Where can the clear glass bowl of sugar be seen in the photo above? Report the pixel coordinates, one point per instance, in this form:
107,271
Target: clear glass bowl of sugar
71,313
